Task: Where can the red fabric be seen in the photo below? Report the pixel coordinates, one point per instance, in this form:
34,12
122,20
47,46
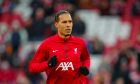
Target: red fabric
7,76
67,50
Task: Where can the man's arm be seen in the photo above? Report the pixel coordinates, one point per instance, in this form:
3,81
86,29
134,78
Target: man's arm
39,61
85,57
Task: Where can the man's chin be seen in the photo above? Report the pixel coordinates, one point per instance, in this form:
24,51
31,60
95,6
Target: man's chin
66,35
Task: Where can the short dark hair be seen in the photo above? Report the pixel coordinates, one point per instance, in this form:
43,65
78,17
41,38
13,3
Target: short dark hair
56,18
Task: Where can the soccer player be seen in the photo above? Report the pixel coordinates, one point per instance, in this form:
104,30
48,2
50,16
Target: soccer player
63,57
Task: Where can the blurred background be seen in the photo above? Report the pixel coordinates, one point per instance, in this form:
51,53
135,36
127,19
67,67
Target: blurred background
110,28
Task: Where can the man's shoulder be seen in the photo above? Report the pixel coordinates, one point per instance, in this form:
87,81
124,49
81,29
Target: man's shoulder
49,39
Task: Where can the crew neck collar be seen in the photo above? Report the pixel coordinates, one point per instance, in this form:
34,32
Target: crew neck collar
63,39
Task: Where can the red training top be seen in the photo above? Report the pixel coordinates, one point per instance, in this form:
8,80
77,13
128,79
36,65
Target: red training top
71,54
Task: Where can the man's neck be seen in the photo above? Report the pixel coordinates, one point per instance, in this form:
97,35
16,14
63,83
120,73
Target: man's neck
64,36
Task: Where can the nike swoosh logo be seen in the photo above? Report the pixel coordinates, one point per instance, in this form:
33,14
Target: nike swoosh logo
54,50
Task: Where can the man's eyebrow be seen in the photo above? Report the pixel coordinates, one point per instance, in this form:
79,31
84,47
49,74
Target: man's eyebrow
64,21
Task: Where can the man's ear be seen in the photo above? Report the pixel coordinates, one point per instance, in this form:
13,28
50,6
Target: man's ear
55,24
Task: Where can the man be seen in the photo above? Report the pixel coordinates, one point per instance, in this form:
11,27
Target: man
63,57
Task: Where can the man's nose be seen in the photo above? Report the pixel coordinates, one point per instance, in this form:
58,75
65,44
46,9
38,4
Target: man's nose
68,24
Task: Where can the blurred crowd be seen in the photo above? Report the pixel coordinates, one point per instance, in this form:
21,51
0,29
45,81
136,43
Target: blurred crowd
30,21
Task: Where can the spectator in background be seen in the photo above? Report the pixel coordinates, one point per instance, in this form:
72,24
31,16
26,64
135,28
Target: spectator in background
35,4
3,32
6,6
47,5
121,67
38,24
117,7
103,76
7,73
134,70
29,29
16,40
22,78
64,5
121,71
15,36
137,42
104,7
8,53
74,2
96,46
79,27
138,61
136,8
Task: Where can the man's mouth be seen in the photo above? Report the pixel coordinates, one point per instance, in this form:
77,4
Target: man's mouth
68,30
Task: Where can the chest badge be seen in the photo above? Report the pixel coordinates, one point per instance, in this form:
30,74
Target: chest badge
75,50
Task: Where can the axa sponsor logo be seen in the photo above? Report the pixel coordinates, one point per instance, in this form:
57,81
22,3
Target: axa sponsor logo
64,66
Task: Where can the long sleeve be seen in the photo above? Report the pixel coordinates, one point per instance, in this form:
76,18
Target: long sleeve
85,57
39,61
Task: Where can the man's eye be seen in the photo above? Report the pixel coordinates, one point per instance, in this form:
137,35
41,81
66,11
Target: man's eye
70,21
64,22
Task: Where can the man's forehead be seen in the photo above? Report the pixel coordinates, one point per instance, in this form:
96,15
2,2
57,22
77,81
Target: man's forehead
65,17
